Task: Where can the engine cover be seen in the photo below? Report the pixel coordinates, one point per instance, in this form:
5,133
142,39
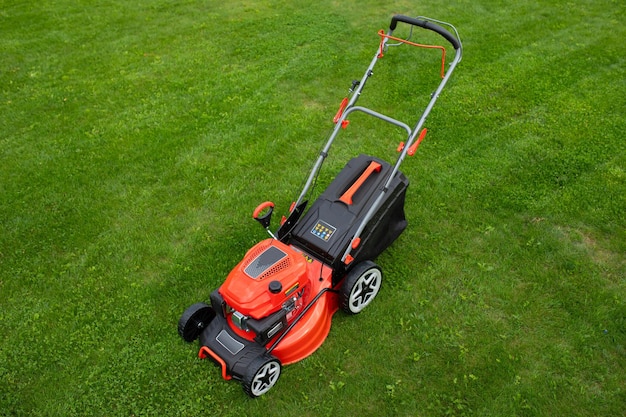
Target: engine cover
265,279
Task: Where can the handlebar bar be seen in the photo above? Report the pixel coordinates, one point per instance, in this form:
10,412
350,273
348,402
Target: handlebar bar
426,25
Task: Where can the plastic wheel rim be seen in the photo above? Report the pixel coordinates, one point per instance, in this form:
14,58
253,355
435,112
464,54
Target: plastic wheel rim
365,289
265,378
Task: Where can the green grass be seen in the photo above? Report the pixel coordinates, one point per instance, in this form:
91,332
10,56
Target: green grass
137,137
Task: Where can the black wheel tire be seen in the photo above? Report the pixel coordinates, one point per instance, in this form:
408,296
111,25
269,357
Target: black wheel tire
261,375
194,320
360,287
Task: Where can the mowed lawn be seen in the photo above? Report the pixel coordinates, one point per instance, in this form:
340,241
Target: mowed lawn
137,137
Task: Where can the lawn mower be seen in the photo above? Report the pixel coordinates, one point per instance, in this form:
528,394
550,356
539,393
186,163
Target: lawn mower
275,307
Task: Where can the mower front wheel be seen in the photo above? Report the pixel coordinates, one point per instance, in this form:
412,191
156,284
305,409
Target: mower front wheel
360,287
194,320
262,375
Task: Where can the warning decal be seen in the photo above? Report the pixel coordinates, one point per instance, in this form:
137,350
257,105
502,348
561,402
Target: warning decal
323,230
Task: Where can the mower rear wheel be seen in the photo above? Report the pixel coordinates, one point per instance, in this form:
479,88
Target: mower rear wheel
261,376
360,287
194,320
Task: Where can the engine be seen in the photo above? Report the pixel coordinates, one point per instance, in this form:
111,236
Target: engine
264,291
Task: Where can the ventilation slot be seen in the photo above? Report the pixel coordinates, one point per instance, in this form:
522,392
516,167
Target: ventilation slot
266,262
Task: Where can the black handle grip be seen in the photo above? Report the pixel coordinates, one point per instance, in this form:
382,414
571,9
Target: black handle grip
426,25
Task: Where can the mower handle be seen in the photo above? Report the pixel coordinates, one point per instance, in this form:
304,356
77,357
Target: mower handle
426,25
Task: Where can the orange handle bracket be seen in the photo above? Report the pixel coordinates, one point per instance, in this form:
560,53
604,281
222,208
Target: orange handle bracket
347,196
413,147
342,107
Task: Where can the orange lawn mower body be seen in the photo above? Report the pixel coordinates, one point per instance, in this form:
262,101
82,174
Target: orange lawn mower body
275,307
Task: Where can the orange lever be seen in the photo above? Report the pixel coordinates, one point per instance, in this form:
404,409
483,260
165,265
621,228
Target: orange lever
347,196
413,147
342,107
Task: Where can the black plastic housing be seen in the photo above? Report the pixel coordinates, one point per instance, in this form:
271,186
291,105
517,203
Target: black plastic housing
327,228
268,327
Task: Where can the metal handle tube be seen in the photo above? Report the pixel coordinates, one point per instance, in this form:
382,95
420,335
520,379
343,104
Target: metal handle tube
412,136
355,96
380,116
